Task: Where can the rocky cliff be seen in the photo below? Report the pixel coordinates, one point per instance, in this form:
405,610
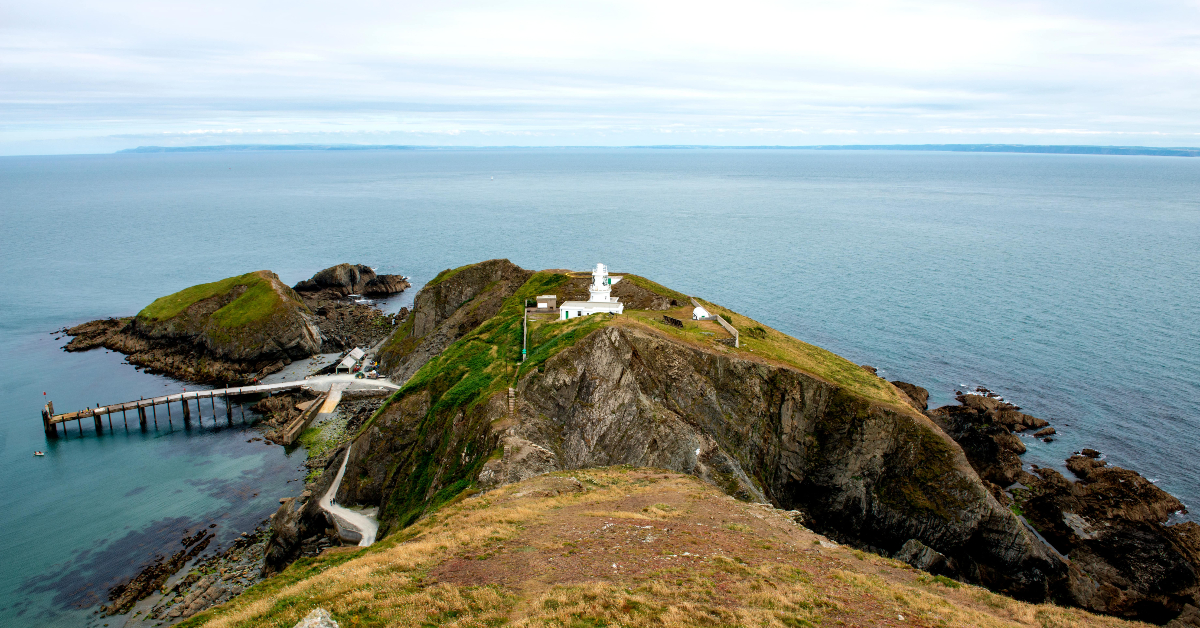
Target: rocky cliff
1111,522
221,331
447,308
775,420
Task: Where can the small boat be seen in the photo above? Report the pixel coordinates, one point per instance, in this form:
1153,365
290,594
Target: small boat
38,453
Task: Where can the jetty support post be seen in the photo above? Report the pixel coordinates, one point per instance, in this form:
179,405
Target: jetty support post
187,410
124,417
97,417
51,428
154,411
142,415
228,410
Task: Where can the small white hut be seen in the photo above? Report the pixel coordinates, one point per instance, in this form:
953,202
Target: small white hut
600,299
700,314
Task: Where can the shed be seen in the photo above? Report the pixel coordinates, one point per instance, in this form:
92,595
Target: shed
547,301
700,314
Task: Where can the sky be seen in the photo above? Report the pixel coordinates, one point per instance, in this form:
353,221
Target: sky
85,76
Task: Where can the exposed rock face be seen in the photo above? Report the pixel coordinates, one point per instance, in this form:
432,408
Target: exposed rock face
984,427
1110,522
345,279
1123,560
921,556
237,328
919,396
445,311
627,395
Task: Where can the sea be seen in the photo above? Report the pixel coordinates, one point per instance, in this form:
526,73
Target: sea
1068,284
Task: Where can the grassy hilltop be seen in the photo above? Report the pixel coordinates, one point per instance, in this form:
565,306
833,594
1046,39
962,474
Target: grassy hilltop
620,547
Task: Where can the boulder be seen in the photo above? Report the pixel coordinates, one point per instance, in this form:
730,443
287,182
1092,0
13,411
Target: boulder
1044,432
921,556
317,618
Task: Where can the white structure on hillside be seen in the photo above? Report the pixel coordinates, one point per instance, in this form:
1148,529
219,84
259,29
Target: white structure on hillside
700,314
600,299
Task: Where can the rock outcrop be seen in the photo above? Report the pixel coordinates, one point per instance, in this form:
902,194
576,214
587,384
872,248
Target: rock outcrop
225,331
347,279
984,427
449,306
919,396
1110,522
1123,559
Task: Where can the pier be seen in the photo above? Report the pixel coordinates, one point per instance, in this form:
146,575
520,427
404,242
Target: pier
146,410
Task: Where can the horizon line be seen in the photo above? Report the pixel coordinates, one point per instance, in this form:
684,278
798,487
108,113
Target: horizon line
1067,149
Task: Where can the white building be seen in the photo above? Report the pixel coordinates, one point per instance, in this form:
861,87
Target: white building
700,314
600,300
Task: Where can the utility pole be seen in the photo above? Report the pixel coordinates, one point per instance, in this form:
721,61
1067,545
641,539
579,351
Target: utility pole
524,329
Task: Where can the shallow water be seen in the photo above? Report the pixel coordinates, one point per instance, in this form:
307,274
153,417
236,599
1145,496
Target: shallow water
1066,283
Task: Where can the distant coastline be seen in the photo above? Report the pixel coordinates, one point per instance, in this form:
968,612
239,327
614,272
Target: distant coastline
1066,149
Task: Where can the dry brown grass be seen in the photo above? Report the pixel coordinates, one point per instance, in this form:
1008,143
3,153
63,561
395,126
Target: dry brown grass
637,547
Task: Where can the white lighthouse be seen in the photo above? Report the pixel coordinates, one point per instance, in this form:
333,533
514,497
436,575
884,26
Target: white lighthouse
600,299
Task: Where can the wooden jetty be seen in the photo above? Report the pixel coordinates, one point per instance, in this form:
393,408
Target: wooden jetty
97,414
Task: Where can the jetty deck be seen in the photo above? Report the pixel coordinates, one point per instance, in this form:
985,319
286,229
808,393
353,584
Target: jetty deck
51,420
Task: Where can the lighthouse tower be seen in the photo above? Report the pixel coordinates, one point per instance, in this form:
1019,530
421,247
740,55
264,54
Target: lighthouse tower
600,298
601,288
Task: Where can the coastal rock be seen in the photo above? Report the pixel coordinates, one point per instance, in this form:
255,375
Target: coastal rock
447,308
982,427
1110,522
919,396
226,331
347,279
1044,432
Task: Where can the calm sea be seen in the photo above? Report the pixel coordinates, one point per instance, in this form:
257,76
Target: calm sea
1068,284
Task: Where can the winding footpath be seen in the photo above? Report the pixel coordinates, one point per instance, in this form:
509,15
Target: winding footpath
345,517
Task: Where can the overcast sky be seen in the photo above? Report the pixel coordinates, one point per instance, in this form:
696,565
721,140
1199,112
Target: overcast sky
99,75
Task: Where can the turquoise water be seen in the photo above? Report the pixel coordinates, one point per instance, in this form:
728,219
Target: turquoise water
1069,284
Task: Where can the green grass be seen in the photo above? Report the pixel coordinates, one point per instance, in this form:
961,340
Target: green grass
768,343
446,274
656,288
259,301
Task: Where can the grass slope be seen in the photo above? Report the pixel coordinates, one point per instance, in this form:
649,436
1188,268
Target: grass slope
764,343
620,547
259,301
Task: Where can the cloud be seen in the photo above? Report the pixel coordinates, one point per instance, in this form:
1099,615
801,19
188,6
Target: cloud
611,72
